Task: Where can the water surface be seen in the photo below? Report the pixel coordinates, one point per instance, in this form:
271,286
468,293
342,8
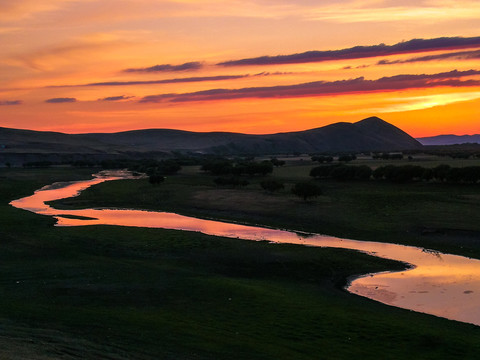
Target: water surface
439,284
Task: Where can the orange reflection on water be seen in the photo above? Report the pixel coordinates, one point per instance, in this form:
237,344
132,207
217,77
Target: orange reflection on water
439,284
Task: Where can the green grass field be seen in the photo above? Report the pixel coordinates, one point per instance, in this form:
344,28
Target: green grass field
443,217
132,293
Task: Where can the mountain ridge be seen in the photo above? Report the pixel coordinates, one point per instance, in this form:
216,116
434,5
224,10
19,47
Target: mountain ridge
370,134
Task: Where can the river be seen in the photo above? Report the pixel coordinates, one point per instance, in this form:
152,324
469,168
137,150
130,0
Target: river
439,284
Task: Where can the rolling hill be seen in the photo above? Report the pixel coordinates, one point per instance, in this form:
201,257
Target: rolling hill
371,134
450,139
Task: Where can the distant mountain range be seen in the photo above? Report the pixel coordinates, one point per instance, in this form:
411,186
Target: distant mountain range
371,134
449,139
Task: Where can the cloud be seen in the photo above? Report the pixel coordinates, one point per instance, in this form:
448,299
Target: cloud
382,11
116,98
459,55
358,52
60,100
164,81
322,88
10,102
87,47
193,65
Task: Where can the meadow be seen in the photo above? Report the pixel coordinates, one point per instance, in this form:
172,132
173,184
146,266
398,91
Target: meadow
133,293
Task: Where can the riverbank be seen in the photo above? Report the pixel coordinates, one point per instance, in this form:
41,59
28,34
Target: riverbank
152,293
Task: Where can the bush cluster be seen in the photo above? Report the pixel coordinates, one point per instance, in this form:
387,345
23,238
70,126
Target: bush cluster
342,172
399,174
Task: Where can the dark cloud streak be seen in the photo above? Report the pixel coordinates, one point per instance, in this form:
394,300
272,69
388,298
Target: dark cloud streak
459,55
116,98
193,65
164,81
60,100
321,88
10,102
358,52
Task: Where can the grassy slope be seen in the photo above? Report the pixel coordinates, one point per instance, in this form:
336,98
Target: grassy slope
111,292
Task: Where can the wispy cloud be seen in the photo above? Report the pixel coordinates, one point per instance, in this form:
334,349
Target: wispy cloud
19,9
10,102
358,52
116,98
194,65
69,51
422,102
170,81
381,12
321,88
459,55
60,100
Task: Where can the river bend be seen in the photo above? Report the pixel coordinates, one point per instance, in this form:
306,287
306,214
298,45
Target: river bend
439,284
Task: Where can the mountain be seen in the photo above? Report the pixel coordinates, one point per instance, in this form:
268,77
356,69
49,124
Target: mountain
449,139
372,134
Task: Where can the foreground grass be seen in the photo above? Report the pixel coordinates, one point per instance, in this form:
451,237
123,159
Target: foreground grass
132,293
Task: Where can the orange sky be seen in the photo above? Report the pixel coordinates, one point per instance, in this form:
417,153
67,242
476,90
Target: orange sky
113,65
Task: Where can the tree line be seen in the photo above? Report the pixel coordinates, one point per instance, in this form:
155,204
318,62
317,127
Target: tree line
399,174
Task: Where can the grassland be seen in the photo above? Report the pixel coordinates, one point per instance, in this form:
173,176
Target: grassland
130,293
443,217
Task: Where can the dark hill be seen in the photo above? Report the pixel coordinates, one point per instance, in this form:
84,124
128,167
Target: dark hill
372,134
450,139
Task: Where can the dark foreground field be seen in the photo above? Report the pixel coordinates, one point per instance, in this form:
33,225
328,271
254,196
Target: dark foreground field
108,292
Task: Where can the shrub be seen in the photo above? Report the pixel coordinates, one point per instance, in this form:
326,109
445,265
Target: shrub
306,190
156,179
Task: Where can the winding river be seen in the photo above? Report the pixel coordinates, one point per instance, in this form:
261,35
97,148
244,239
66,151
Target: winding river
439,284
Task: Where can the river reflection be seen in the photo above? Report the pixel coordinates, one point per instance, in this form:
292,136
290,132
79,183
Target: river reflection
438,284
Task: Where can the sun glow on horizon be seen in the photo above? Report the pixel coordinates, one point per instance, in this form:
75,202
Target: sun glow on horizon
253,66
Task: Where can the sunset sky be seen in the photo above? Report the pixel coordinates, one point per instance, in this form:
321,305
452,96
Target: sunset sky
252,66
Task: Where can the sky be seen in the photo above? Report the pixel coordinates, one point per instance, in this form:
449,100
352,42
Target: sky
251,66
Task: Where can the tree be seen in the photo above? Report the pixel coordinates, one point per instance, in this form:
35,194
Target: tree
218,166
363,172
347,158
323,171
322,159
306,190
168,167
440,172
156,179
277,162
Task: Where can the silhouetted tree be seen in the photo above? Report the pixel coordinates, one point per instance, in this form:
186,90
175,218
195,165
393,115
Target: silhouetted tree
440,172
323,171
363,172
168,167
346,158
156,179
306,190
277,162
218,166
322,159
